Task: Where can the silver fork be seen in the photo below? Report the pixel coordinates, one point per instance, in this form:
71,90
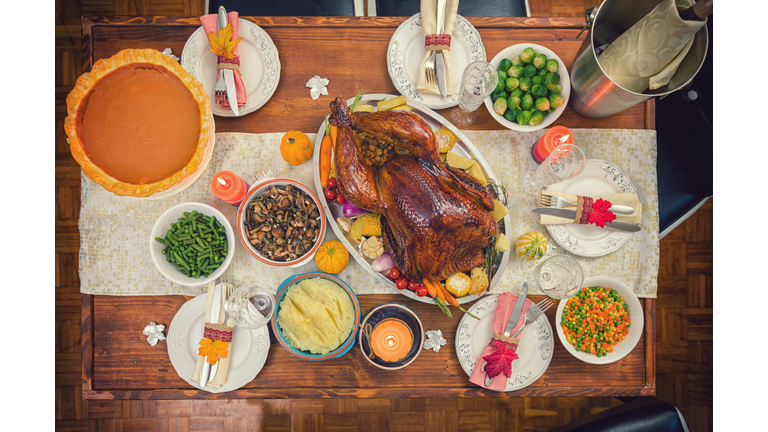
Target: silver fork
220,91
430,69
534,312
546,200
225,293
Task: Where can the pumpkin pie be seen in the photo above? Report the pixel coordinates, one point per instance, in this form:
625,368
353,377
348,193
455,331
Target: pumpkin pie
138,123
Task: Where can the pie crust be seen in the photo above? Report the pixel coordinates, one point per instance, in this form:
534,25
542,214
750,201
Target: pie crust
77,104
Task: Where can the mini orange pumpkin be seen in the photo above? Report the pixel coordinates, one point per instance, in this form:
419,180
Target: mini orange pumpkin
296,148
332,257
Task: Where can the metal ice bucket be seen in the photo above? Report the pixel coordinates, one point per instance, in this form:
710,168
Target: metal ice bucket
593,93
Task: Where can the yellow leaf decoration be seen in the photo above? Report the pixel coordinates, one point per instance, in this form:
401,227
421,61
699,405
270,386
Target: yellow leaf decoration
223,44
212,350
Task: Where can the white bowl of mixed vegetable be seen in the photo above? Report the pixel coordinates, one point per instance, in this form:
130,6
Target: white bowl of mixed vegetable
602,323
192,244
533,88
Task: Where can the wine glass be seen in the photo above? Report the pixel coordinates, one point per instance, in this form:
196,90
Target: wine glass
559,276
477,82
566,161
250,306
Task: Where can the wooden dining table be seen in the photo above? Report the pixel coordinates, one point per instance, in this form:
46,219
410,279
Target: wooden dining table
351,52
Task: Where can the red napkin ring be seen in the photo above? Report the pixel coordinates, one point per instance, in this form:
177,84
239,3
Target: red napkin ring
225,63
589,211
218,332
436,42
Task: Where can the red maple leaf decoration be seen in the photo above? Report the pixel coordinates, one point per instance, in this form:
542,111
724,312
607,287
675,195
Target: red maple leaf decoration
600,215
500,362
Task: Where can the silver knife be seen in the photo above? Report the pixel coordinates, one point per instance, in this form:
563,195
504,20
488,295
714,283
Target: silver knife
514,317
229,74
208,370
571,214
439,60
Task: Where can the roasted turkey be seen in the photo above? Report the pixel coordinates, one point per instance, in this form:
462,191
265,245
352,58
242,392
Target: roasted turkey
438,218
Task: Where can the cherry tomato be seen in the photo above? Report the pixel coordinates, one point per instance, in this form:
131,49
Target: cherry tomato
413,286
330,193
332,183
421,291
394,272
401,283
340,199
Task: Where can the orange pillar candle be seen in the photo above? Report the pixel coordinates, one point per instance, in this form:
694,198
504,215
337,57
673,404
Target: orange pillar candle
552,138
391,340
228,187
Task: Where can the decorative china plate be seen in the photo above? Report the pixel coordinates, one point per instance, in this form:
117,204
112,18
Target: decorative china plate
406,50
535,349
259,64
463,147
598,178
248,350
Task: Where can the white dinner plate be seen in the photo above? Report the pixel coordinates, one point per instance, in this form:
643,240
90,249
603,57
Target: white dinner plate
259,65
598,178
534,350
248,350
406,50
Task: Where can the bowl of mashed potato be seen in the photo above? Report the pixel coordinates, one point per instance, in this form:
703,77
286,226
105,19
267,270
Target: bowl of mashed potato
317,316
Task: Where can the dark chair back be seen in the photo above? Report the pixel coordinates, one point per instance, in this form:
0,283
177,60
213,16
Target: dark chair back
284,7
491,8
643,414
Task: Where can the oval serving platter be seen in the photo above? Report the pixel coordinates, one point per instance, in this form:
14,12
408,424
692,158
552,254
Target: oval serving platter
463,147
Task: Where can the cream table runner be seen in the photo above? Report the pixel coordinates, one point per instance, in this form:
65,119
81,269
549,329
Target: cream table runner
114,230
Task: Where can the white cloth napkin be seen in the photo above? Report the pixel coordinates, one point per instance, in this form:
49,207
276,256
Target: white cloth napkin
627,199
648,54
429,25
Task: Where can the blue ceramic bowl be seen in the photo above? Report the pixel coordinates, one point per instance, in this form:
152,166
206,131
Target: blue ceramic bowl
402,313
306,355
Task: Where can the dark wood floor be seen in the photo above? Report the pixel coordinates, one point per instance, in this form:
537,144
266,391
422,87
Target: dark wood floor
684,309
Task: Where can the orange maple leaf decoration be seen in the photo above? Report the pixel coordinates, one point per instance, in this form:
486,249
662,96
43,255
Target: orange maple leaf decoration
223,43
212,350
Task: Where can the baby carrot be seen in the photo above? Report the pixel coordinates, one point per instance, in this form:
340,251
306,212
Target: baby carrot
448,296
334,134
326,147
430,288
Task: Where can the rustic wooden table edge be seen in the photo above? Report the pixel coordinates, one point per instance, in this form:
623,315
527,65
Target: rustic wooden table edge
648,389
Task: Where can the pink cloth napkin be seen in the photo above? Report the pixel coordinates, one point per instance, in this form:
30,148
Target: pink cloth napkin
504,308
209,25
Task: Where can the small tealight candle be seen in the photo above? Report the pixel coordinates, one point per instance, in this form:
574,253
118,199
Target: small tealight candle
229,187
552,138
391,340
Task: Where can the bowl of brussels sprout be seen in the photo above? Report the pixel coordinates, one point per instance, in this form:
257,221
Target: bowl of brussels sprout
533,88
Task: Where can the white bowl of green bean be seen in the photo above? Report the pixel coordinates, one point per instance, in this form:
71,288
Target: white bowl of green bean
192,244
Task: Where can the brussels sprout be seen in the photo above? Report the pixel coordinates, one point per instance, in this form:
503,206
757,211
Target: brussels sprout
526,102
511,115
540,61
516,61
551,109
502,75
517,92
536,118
529,71
539,91
499,85
512,83
513,102
500,105
558,88
542,104
552,65
555,100
498,94
542,72
551,80
537,80
516,71
526,84
505,64
527,55
524,117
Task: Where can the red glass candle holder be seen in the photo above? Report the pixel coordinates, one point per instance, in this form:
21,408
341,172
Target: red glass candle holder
229,187
552,138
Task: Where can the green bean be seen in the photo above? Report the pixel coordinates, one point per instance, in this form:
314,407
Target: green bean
195,244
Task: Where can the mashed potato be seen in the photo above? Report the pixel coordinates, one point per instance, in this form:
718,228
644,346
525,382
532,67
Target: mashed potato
316,315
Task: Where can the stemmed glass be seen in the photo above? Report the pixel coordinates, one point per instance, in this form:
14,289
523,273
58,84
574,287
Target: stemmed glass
566,161
559,276
250,306
477,82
